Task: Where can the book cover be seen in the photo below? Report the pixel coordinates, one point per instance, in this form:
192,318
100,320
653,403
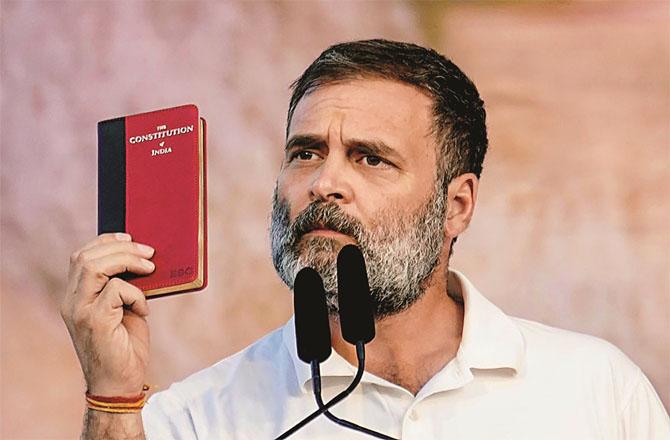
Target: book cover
152,185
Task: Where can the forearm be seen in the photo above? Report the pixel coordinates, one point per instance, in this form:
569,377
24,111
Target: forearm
102,425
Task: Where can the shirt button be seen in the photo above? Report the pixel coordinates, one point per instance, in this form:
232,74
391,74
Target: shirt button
413,415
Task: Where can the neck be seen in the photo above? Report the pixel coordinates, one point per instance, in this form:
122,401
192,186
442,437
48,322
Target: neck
412,346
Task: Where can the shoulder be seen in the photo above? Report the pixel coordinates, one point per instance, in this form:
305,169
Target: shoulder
545,340
598,374
565,346
579,359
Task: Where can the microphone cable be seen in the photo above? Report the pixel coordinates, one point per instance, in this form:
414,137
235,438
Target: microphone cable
316,388
313,332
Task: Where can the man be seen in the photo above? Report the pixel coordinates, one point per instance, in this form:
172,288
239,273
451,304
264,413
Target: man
384,148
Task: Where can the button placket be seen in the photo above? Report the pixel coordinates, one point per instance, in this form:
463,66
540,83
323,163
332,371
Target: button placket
412,427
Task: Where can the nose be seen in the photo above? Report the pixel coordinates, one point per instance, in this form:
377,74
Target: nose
330,183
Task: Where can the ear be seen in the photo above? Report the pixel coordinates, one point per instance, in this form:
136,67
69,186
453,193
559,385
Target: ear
461,199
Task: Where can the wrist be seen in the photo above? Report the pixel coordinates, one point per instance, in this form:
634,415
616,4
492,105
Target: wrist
117,404
99,424
114,390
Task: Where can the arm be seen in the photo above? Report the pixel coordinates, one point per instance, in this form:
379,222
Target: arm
106,319
99,425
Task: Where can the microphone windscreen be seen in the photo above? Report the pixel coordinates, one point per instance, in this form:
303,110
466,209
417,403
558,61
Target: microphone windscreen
356,319
312,331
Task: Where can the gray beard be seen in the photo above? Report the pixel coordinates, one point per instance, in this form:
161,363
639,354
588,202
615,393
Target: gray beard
401,252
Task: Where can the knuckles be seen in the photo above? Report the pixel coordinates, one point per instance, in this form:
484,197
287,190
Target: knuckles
78,258
90,269
116,284
135,290
119,285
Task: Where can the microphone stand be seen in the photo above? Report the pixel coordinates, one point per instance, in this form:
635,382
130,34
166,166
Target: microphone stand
316,387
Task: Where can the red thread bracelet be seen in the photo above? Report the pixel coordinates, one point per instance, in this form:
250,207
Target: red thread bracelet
117,404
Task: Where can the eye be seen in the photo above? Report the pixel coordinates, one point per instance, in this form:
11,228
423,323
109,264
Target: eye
373,161
303,155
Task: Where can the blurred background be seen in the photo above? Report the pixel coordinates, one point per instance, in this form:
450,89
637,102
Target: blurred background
572,227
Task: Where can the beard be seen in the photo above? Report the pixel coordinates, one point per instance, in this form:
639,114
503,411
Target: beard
401,251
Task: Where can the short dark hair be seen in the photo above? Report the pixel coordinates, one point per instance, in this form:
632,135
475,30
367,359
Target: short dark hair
458,111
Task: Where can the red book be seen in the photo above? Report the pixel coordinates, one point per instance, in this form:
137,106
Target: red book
151,184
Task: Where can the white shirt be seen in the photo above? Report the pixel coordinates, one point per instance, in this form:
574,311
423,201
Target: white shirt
510,379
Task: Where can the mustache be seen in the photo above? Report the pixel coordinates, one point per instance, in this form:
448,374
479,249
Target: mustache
318,215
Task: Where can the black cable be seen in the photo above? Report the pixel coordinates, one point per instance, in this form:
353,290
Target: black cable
316,386
335,400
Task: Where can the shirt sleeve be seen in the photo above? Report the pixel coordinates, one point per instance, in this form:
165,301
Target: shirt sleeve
166,417
644,416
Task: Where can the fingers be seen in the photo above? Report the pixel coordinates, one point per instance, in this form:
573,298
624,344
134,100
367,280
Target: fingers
118,295
112,247
100,239
107,244
91,266
96,273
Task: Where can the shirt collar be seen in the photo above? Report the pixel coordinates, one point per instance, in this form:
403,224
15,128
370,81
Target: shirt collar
490,340
332,369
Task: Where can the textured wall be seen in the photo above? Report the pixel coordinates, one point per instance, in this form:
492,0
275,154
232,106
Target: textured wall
571,226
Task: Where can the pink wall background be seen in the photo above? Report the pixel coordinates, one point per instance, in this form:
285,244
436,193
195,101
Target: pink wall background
572,225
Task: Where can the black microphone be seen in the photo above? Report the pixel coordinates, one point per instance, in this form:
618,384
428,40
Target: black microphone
357,325
313,338
312,331
314,345
353,296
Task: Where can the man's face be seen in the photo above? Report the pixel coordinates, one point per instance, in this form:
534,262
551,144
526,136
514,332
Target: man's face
359,167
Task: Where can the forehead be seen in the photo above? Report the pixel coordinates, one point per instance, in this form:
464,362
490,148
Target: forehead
385,109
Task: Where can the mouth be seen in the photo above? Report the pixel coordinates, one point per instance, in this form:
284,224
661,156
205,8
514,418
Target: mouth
322,230
325,232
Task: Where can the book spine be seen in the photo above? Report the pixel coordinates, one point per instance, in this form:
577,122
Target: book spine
112,175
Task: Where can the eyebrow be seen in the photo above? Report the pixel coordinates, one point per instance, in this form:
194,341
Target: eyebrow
304,140
374,147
